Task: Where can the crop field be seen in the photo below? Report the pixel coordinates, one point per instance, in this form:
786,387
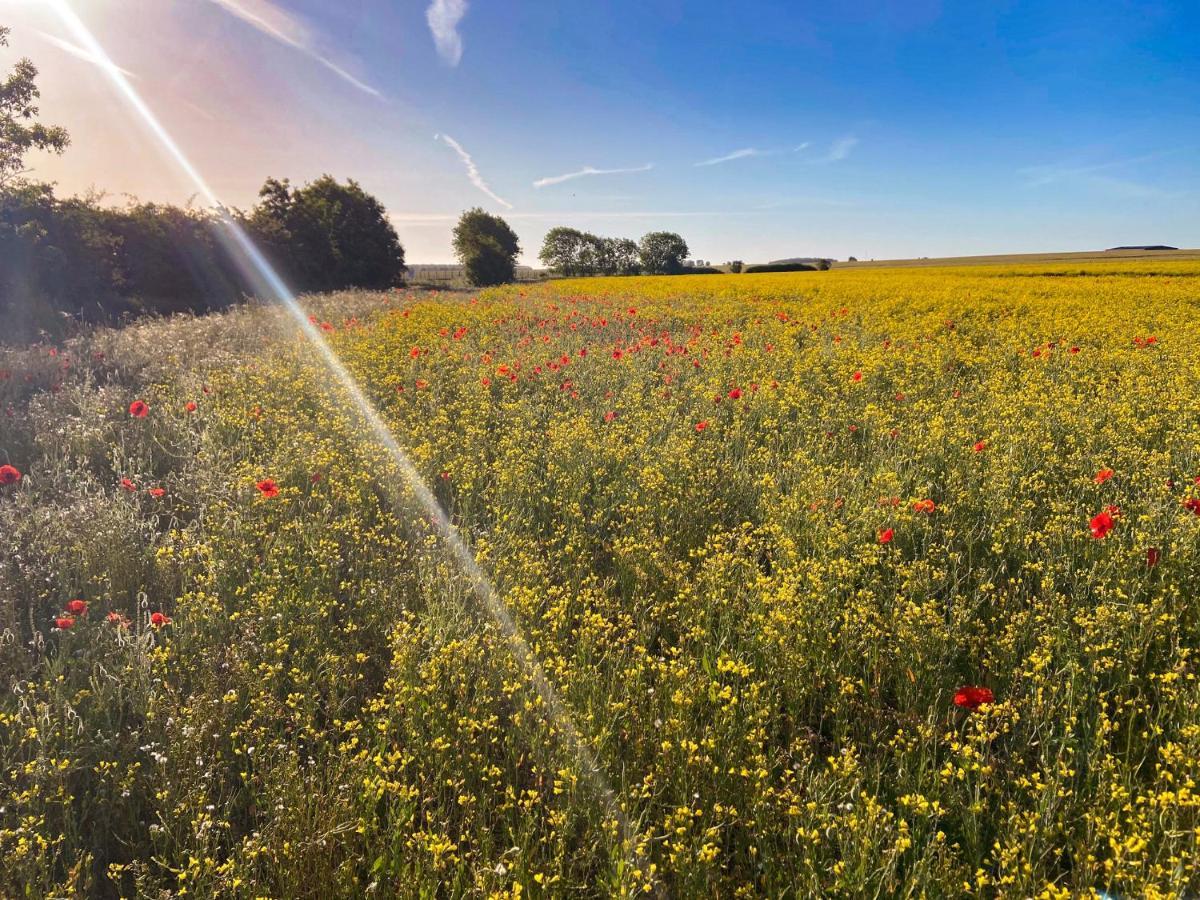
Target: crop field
859,583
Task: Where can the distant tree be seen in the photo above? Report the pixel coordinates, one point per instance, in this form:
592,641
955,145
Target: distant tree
662,253
19,133
486,246
736,266
564,251
327,236
852,259
626,256
824,264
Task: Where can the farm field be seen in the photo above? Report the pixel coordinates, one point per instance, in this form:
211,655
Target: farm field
858,583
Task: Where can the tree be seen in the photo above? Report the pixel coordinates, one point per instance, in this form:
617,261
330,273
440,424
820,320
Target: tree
563,251
327,236
626,256
736,266
19,133
486,246
662,253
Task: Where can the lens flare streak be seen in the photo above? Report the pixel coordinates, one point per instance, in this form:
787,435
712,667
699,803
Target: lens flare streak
269,283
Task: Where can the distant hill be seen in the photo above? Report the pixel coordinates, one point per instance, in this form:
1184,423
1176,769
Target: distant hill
1142,247
1018,258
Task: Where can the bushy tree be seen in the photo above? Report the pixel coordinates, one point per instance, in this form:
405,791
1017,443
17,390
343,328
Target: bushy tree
736,266
19,130
563,251
486,246
571,252
626,256
327,236
662,253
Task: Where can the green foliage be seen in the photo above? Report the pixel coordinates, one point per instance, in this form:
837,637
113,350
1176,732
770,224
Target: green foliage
736,266
562,251
76,260
662,253
19,132
571,252
780,267
486,246
327,236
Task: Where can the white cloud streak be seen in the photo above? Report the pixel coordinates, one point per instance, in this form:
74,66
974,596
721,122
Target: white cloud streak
744,153
1090,176
79,53
588,171
443,17
748,153
472,170
420,220
289,30
840,149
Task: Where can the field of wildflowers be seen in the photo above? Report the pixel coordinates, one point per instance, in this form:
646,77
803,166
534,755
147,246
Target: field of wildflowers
860,583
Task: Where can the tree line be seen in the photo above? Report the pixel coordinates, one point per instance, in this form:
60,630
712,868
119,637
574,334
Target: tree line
570,252
80,259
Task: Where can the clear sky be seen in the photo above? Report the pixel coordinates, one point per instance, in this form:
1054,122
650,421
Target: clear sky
758,130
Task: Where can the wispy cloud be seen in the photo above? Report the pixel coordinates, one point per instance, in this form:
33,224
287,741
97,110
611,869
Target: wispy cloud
1092,176
589,170
80,53
472,169
288,29
443,17
747,153
744,153
840,149
1047,174
430,220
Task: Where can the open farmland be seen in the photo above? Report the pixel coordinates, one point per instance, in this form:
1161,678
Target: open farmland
857,583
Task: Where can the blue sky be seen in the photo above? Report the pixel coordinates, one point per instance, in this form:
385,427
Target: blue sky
756,129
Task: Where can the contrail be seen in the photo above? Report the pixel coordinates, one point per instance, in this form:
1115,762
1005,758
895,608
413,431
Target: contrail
250,258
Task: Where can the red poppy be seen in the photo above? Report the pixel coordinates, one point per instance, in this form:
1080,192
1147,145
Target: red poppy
190,406
157,492
1101,524
924,506
1153,555
77,607
735,394
157,619
700,426
128,485
1103,475
316,477
1192,504
971,698
886,535
609,416
62,623
979,446
268,488
9,475
138,409
117,619
857,376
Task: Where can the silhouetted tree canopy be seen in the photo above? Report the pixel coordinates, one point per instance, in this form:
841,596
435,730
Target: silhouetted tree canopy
486,246
20,131
327,236
662,253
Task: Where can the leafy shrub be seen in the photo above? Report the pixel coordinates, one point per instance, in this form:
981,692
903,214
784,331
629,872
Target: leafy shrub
780,267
